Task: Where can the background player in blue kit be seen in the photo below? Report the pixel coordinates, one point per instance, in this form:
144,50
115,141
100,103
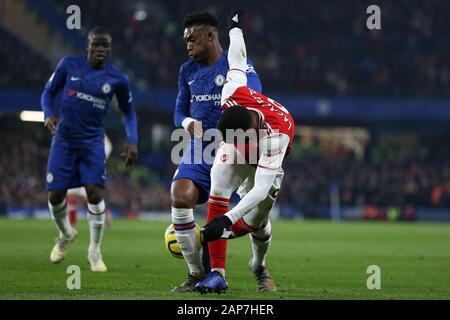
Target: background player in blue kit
198,109
77,154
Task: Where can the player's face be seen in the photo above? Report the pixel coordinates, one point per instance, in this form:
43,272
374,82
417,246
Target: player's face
197,39
99,48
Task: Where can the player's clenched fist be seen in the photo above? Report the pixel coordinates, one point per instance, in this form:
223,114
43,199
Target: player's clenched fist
130,153
215,228
51,123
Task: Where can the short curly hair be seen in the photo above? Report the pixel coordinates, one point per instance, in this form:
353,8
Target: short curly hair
99,31
200,18
234,118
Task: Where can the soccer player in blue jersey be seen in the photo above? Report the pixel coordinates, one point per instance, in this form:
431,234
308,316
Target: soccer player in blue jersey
77,154
198,109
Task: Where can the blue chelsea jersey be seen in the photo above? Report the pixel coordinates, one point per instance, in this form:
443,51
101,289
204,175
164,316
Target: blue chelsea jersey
85,99
200,87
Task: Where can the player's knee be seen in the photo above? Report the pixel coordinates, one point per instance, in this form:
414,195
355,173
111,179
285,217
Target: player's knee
220,186
183,198
257,219
94,195
184,194
254,224
264,232
241,228
220,191
95,198
261,236
56,197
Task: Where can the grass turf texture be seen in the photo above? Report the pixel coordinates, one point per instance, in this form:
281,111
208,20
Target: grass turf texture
308,260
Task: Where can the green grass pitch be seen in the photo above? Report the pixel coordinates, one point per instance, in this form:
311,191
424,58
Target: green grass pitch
308,260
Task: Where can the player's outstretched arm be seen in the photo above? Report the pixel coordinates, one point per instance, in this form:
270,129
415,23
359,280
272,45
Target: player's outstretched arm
237,52
264,179
263,182
237,58
273,150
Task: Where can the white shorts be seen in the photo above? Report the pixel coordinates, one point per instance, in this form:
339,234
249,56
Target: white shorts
228,177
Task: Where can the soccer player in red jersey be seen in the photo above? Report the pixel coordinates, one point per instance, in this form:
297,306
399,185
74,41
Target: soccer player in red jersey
257,178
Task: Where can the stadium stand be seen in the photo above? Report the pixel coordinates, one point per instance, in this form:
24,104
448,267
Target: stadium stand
298,52
294,52
21,67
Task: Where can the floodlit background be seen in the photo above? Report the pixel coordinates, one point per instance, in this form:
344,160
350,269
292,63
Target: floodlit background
372,107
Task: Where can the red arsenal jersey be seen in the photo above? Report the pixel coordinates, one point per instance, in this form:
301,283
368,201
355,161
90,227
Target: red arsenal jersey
273,116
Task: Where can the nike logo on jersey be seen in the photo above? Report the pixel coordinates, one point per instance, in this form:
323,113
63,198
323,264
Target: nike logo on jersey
191,82
74,79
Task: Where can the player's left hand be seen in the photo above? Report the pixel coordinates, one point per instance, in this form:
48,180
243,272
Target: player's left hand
130,153
234,19
214,229
51,123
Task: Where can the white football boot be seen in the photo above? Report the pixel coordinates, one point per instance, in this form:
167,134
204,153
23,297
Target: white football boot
59,251
96,261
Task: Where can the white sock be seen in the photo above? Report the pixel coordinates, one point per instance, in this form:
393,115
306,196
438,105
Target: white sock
237,52
59,214
220,270
261,240
96,220
183,220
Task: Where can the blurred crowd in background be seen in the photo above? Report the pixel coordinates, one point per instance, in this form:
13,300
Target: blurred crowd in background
308,47
23,172
20,67
420,179
417,183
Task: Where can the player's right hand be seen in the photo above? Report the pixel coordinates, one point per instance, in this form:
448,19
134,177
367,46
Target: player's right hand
130,153
195,129
51,123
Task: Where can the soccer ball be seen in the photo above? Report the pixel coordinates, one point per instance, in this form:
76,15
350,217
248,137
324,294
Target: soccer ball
171,243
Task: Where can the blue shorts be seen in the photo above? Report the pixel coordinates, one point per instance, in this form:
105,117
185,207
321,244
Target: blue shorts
71,167
199,174
196,166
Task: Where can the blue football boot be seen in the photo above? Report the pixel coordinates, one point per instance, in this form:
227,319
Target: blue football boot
214,282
